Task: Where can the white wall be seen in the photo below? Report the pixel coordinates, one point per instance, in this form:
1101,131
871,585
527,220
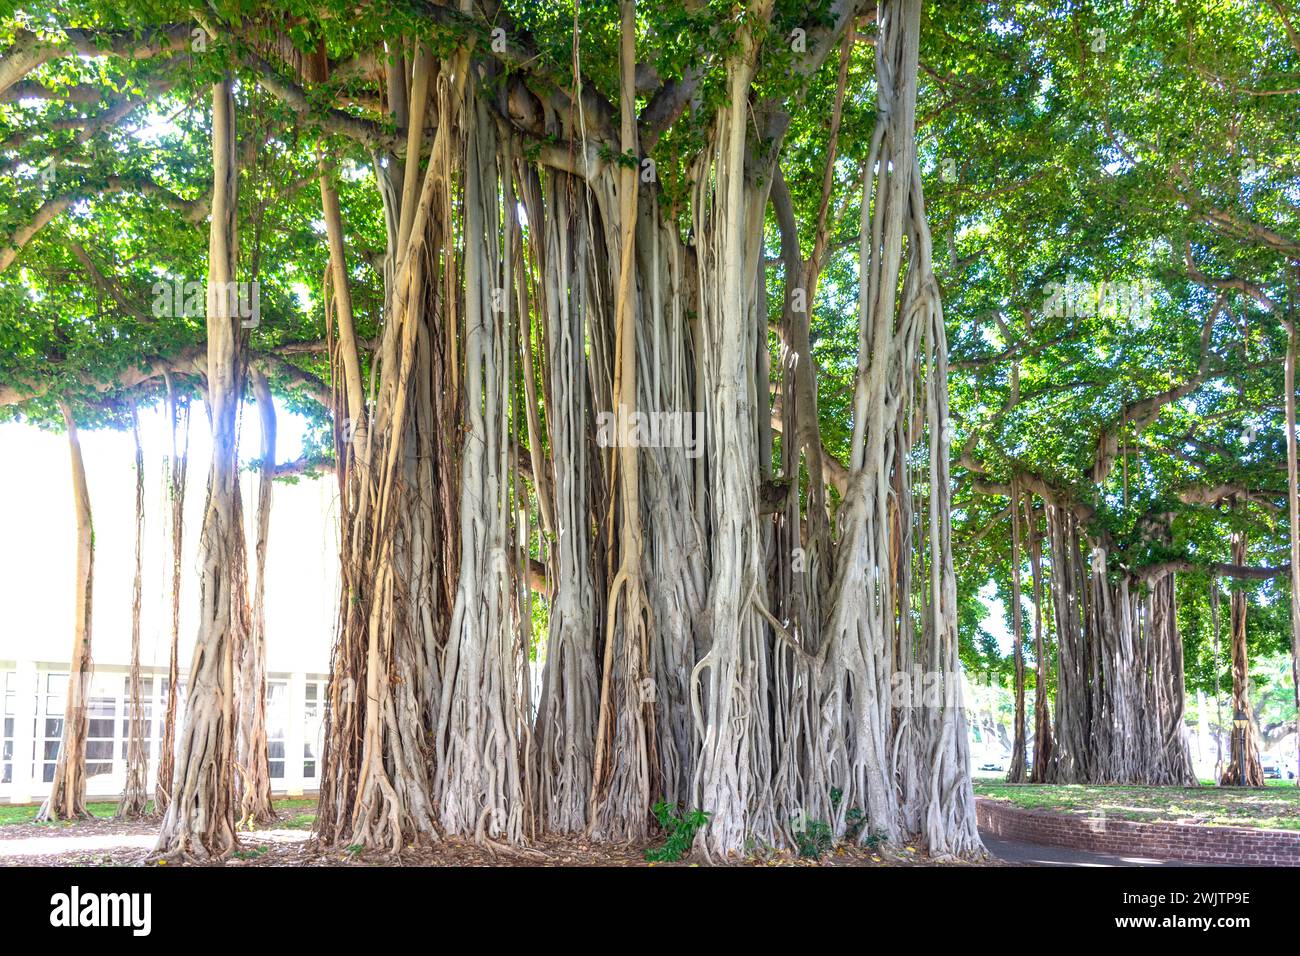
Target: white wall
37,549
37,554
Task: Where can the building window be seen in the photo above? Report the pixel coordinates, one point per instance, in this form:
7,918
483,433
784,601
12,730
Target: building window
314,692
101,736
146,717
164,692
50,723
277,699
7,742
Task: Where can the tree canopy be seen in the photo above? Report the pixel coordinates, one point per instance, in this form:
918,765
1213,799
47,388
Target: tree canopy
1112,193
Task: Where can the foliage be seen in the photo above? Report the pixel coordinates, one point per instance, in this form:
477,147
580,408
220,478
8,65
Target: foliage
814,839
679,829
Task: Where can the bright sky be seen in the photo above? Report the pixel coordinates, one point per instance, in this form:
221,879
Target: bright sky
997,624
38,535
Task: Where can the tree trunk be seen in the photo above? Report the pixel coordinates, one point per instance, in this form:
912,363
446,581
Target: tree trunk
253,784
733,772
200,818
883,623
480,779
176,495
675,564
1218,695
1072,758
1043,743
399,547
566,718
632,324
1119,694
67,799
625,736
1293,511
135,795
1243,767
1166,706
1017,772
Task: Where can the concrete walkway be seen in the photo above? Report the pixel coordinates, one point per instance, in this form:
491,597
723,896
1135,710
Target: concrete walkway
1010,851
1031,854
60,843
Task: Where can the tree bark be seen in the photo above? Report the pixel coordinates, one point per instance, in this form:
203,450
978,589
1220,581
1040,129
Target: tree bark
399,547
566,721
1243,767
176,495
200,818
733,772
480,780
251,760
1044,746
1293,511
1218,695
135,796
625,736
1017,772
67,799
891,639
1119,695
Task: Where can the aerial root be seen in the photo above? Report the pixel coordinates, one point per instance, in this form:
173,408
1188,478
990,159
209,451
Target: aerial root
498,848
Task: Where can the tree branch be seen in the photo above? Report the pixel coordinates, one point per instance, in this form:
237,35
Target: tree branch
29,51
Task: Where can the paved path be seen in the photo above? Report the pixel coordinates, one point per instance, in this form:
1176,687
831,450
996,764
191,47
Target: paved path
1031,854
1012,851
60,843
55,845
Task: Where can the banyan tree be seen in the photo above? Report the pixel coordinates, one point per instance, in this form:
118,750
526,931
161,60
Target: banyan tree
599,548
562,402
571,397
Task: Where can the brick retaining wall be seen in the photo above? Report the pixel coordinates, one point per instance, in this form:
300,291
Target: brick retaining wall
1226,846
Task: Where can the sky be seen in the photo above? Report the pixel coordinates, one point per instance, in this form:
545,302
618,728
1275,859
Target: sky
996,623
38,545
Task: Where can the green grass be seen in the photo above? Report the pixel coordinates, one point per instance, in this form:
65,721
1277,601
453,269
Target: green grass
1275,807
285,804
296,813
303,821
26,813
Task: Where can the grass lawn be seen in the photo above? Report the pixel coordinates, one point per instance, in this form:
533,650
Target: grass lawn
1276,806
296,813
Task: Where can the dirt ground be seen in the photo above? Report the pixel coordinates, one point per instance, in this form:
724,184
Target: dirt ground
110,843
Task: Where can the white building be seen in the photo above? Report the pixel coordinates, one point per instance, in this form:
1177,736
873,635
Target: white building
37,546
35,693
